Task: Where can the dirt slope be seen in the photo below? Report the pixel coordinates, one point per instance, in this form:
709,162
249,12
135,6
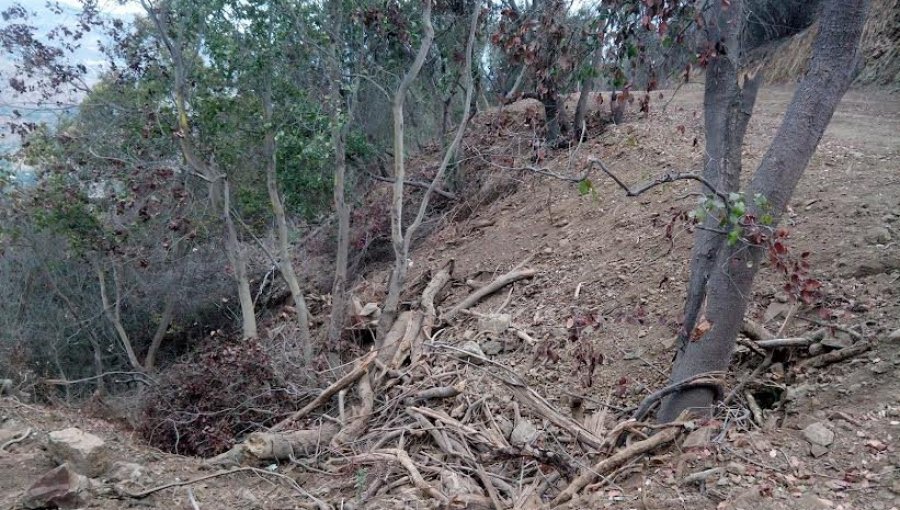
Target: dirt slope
609,292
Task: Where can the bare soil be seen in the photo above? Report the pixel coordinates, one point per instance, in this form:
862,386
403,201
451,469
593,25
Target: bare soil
609,290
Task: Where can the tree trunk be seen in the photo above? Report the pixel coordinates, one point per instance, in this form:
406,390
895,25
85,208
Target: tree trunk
834,64
398,273
339,131
113,313
239,265
162,327
285,262
587,86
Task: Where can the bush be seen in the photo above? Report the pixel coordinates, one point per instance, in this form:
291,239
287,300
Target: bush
203,407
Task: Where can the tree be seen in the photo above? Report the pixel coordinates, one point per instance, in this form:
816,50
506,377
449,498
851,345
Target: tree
724,264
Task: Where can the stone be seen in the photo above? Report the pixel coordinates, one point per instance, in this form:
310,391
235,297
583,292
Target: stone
811,502
736,468
894,337
492,347
126,472
523,433
494,324
818,434
699,438
475,350
877,235
60,487
84,452
816,349
455,484
817,450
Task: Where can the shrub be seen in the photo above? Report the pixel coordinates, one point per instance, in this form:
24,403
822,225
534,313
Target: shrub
203,407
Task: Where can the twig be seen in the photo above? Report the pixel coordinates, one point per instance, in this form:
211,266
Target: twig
67,382
667,178
15,440
144,493
403,458
753,375
612,462
361,368
418,184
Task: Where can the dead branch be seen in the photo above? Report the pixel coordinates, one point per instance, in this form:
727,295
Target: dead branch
712,380
268,446
777,343
504,280
438,392
138,376
437,283
362,366
361,416
418,184
398,455
18,439
667,178
755,331
838,355
616,460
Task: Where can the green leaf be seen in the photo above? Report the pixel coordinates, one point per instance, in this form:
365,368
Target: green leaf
734,236
766,219
585,186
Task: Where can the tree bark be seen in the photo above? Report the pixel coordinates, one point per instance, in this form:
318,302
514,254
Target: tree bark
398,273
339,131
162,327
285,262
239,265
834,64
587,86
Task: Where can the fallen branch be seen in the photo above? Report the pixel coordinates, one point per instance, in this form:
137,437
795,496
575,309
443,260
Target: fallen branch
838,355
504,280
418,184
616,460
15,440
398,455
777,343
137,376
361,368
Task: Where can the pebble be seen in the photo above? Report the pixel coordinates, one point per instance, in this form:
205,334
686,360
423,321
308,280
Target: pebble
818,434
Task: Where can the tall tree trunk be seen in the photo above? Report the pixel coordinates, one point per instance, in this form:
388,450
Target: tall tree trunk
834,63
401,265
285,261
339,131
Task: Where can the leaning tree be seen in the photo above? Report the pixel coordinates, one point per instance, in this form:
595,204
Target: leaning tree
742,228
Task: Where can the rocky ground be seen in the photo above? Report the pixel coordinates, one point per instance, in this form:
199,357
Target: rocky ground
599,317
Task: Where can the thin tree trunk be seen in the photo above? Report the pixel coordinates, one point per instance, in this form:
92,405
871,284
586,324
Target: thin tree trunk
165,320
834,64
398,273
239,265
285,262
340,127
113,314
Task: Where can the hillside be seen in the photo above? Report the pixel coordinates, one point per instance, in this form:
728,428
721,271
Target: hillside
598,318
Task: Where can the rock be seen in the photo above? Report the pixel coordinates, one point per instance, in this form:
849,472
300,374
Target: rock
60,487
817,450
880,368
84,452
125,472
474,349
6,387
494,324
818,434
523,433
736,468
455,484
877,235
699,438
816,349
811,502
492,347
894,337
